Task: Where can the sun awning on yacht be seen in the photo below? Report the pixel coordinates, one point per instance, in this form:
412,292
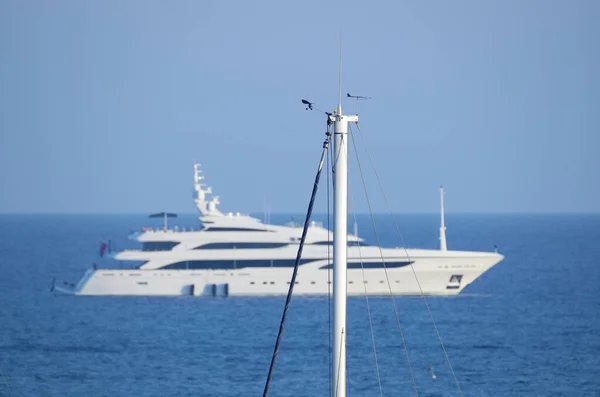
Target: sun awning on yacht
163,215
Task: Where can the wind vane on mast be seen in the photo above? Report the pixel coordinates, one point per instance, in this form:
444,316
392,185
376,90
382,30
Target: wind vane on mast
309,105
358,97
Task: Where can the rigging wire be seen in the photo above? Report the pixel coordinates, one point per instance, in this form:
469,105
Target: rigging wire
384,265
367,300
328,261
296,265
408,256
342,342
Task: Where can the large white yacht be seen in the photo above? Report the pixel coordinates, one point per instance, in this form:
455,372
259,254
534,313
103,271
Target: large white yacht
237,255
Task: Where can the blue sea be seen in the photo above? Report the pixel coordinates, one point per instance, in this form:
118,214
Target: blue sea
528,327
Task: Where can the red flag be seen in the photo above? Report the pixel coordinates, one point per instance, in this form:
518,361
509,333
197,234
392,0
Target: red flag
102,248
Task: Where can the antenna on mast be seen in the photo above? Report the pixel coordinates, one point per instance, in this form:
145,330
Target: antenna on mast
340,76
443,245
340,241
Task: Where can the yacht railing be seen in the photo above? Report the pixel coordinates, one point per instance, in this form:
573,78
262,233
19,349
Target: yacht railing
298,225
174,229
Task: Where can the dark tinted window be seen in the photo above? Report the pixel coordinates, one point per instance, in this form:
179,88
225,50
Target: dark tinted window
233,229
158,245
357,243
372,265
350,243
217,246
229,264
456,278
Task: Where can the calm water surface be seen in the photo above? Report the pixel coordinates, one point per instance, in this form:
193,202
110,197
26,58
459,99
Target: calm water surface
528,327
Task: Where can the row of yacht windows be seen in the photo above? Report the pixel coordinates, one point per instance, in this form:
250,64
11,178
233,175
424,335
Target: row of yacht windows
314,282
350,243
158,245
168,245
230,264
234,229
213,246
371,265
251,245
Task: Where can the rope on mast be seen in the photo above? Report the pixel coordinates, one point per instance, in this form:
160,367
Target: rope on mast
297,263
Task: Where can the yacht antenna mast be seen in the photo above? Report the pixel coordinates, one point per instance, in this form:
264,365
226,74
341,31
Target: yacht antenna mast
443,245
205,206
340,242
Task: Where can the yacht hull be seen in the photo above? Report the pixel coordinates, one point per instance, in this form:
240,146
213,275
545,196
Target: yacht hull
238,255
446,278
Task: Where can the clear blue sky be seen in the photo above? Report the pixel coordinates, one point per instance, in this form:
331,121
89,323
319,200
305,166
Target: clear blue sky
105,105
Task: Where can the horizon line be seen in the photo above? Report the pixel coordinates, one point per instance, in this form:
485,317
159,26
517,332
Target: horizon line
257,213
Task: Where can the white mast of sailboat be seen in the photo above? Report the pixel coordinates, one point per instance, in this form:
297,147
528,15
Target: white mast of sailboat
340,246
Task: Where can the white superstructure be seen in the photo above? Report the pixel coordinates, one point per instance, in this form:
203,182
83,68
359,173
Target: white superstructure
238,255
